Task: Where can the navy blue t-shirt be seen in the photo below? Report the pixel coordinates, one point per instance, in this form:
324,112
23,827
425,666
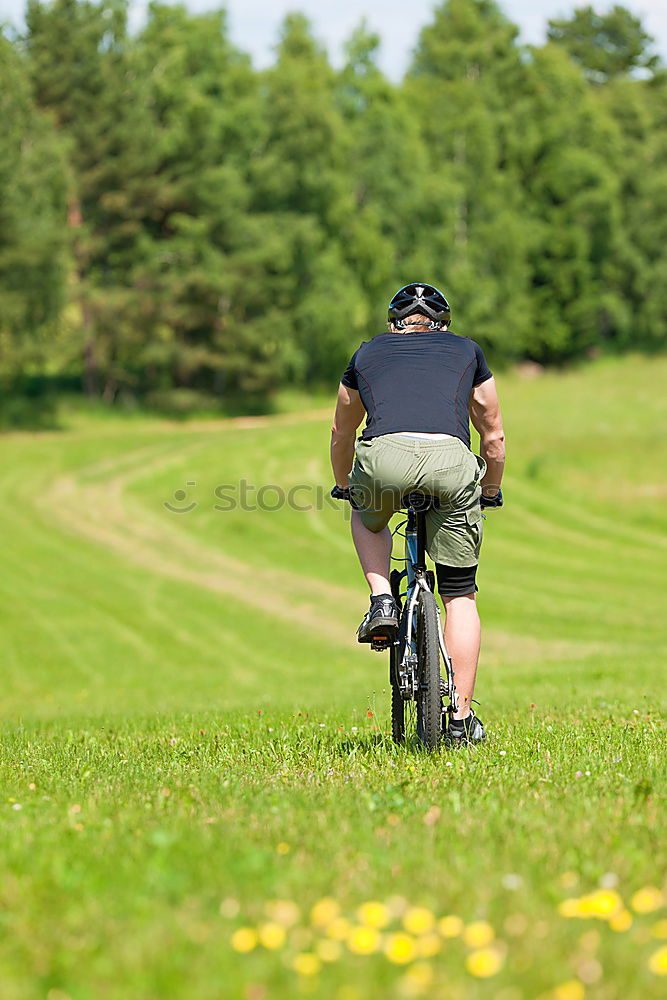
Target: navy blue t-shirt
419,382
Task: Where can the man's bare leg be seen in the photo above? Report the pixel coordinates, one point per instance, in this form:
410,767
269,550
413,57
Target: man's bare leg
462,639
374,551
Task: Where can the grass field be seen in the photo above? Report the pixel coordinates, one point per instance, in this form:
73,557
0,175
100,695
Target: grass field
199,798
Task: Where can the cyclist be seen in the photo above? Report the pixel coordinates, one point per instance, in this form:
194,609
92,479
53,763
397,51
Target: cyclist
417,385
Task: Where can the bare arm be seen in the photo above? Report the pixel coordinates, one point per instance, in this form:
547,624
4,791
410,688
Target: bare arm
486,418
349,414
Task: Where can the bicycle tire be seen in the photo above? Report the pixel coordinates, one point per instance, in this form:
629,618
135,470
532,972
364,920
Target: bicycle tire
429,699
397,703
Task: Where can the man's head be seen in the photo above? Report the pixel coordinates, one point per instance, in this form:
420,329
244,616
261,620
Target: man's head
419,306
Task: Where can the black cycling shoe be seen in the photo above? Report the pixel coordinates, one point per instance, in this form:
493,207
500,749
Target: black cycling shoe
465,732
381,621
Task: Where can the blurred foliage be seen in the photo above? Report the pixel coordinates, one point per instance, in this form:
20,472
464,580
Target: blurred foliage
605,45
175,224
33,239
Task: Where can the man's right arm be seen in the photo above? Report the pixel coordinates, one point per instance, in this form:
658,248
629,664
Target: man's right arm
486,418
349,414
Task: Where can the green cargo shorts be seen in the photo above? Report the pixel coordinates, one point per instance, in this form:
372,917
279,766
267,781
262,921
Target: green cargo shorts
387,467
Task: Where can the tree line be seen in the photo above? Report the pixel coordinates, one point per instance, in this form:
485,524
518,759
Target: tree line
179,227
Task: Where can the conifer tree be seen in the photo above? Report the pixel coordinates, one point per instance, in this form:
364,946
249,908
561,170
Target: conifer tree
466,83
605,45
302,183
33,199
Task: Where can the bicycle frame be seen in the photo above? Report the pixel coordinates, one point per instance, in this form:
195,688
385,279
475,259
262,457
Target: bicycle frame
417,579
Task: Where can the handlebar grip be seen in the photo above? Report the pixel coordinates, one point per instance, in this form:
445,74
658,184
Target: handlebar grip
343,493
488,503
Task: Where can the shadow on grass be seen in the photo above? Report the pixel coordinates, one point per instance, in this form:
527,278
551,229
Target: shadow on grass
27,413
364,742
43,402
369,744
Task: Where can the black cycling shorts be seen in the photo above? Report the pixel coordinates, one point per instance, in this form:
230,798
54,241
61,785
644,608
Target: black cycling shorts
455,581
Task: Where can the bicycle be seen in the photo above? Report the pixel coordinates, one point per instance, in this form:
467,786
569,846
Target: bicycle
418,691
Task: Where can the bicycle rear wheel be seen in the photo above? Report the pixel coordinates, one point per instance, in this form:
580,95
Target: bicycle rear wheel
398,712
397,703
429,698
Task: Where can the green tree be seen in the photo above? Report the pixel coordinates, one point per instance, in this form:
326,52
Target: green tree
33,199
570,171
388,168
301,185
200,271
605,45
466,85
640,109
83,75
231,229
161,132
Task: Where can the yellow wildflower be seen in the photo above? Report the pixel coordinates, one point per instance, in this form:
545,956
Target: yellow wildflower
603,903
306,963
363,940
328,950
515,925
283,848
244,939
659,930
586,907
657,963
230,907
282,911
419,977
569,908
428,945
450,926
324,911
588,969
271,935
373,914
621,921
483,963
570,990
338,929
590,941
647,900
418,920
478,934
397,905
400,948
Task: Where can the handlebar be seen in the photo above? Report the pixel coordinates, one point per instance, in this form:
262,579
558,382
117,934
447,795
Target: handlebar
343,493
489,503
486,503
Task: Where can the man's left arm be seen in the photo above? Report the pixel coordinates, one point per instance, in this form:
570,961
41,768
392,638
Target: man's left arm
349,414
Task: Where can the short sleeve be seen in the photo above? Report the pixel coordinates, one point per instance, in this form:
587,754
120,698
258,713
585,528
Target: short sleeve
482,371
350,374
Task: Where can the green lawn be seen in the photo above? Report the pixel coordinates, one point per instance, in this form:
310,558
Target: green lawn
194,748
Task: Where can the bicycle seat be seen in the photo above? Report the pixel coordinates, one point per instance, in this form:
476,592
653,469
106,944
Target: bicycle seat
420,501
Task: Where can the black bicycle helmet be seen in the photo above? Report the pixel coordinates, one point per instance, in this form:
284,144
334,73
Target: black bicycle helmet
419,298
